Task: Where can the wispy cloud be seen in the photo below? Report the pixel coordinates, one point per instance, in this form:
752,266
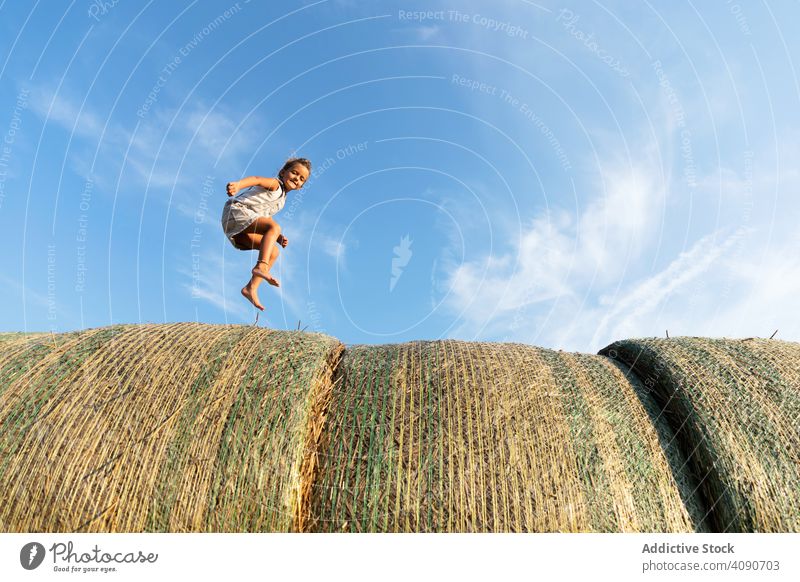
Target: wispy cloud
425,33
571,282
332,247
558,255
635,311
167,149
734,286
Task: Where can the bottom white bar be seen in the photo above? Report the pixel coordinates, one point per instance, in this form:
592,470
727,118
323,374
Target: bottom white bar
538,557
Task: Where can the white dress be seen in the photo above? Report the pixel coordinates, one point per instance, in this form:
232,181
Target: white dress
242,210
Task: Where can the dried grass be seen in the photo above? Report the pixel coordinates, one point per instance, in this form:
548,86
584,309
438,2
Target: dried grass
180,427
735,408
189,427
467,437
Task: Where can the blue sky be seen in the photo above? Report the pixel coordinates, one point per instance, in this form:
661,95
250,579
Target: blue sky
564,174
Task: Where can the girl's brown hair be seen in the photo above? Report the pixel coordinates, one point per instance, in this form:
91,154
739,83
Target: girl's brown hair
291,162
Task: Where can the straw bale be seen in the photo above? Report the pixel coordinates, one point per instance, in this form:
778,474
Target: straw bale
178,427
451,436
734,406
192,427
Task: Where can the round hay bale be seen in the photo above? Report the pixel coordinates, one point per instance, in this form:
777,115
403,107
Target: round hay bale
179,427
450,436
735,408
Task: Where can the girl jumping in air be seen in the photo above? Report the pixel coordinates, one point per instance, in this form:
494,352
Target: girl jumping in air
248,223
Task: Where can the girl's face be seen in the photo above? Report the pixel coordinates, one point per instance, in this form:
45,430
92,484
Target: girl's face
295,177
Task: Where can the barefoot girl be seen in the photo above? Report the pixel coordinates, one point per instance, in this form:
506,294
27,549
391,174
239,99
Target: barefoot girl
248,223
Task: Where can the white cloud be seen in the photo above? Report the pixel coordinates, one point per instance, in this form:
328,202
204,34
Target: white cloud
733,285
169,148
761,290
624,219
739,287
425,33
491,286
559,255
333,247
212,130
66,113
568,282
636,310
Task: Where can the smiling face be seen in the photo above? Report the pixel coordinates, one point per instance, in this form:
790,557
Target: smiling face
295,177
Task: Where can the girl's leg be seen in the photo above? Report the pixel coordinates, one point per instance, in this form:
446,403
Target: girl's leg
250,291
249,241
273,256
269,230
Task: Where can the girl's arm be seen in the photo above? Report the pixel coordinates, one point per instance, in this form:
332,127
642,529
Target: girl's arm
268,183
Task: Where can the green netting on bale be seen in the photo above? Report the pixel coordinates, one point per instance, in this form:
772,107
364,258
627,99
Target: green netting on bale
179,427
468,437
735,407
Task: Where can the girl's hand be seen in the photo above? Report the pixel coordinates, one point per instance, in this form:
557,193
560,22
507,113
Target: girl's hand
233,188
282,240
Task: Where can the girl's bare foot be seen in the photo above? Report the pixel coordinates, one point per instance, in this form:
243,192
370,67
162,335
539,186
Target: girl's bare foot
252,296
264,274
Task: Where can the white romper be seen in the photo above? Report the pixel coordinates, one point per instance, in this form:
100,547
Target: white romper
242,210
